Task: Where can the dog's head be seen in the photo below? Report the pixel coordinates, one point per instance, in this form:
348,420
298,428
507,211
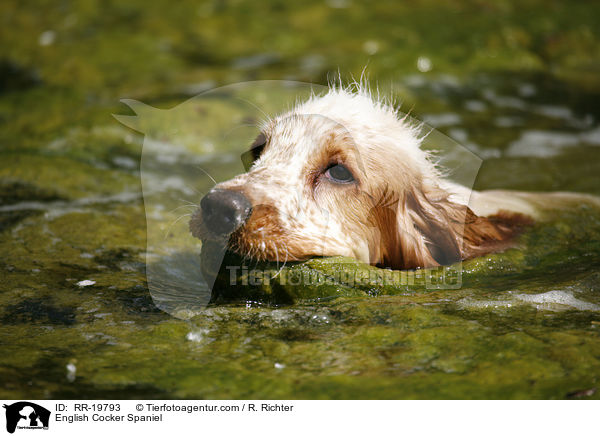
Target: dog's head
341,174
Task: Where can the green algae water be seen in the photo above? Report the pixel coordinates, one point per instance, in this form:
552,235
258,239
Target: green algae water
516,84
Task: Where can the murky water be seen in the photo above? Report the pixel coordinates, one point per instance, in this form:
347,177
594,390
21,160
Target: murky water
76,316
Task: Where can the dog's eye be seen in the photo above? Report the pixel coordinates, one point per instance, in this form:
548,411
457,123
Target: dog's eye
339,174
255,151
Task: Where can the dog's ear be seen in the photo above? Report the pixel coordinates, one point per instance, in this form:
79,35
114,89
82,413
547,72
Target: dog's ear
413,232
436,225
432,230
424,228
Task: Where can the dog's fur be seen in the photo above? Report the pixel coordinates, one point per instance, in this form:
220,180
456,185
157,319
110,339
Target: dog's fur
399,213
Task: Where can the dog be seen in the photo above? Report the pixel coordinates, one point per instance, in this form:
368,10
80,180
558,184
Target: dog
344,174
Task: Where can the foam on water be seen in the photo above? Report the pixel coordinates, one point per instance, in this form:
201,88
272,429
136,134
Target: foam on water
557,300
539,143
549,300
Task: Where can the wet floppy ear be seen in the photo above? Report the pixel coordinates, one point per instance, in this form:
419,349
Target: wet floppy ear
398,241
444,232
436,224
416,230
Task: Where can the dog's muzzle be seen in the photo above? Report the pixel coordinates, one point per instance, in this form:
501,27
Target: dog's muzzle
224,211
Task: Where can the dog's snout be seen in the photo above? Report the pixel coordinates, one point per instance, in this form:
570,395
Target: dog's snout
224,210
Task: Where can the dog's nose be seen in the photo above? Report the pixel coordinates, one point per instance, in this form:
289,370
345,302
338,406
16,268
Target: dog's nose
224,210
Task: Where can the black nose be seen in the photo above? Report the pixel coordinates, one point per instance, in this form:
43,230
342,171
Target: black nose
224,210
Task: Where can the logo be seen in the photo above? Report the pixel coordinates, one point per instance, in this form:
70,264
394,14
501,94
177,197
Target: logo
26,415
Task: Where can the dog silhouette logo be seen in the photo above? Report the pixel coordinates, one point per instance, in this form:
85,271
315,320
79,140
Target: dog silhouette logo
26,415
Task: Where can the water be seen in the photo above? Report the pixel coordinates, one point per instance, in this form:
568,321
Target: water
77,320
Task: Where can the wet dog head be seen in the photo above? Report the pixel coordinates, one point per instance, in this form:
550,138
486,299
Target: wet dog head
342,174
